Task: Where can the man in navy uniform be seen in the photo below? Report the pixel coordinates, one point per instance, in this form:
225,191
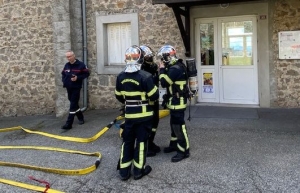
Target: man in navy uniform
72,76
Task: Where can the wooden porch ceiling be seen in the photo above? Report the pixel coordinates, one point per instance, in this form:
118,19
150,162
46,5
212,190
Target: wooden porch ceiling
182,8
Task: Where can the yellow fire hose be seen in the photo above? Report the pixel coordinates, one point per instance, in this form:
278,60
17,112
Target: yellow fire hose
82,171
162,113
65,138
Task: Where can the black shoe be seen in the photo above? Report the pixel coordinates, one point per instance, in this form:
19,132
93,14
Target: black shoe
151,153
141,173
81,122
180,156
125,173
124,178
66,127
153,150
153,147
169,149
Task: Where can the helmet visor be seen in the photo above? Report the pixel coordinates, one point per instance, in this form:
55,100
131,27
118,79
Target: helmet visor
132,57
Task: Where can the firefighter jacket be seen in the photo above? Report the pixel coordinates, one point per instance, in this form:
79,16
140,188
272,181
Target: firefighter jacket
78,69
136,90
174,79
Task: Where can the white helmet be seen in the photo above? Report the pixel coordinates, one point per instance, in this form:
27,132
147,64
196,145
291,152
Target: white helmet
134,58
167,54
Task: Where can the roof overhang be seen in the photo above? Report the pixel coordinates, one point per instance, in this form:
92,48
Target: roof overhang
180,3
182,8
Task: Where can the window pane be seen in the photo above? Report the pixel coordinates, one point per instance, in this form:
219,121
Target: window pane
207,43
237,43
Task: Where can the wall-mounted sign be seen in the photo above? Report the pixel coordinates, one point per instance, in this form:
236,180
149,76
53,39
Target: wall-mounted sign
289,44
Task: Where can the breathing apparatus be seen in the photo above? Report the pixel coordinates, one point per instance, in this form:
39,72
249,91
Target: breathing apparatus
192,75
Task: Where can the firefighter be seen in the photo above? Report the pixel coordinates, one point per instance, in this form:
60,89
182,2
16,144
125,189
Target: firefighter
150,66
72,76
135,89
173,77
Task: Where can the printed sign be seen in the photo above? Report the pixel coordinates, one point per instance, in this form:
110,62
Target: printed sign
208,83
289,44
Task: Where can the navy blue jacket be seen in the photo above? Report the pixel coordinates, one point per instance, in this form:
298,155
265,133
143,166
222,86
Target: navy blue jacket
175,81
79,69
136,86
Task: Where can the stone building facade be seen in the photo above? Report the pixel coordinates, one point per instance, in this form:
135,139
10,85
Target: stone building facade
34,35
285,79
27,73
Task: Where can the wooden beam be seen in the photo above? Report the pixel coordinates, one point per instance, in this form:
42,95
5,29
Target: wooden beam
174,1
180,3
184,29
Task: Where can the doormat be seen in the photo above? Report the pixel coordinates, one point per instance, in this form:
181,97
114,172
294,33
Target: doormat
225,112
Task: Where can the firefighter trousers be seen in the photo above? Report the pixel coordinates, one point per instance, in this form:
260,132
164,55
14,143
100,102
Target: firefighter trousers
74,96
134,146
178,129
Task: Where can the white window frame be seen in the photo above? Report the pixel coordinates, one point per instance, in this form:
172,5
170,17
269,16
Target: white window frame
101,34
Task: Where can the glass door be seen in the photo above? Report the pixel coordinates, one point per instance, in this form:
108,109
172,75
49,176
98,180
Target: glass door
226,49
238,61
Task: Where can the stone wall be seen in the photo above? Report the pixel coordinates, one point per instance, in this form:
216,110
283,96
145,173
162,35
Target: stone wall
27,79
286,72
157,26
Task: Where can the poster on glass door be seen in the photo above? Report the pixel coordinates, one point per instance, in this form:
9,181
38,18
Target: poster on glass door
208,83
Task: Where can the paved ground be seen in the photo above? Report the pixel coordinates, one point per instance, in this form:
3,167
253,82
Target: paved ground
246,154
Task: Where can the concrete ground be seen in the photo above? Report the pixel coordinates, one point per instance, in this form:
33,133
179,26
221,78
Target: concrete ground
232,150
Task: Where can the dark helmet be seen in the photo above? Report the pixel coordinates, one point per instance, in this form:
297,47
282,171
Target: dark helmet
168,54
134,58
148,54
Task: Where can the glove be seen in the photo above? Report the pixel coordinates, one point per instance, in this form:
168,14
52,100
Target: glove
122,110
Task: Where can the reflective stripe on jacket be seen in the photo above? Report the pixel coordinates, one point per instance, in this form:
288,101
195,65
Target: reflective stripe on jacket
78,69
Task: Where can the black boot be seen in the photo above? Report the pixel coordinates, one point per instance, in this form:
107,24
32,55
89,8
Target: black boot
180,156
153,149
69,122
139,173
80,117
172,147
66,126
125,173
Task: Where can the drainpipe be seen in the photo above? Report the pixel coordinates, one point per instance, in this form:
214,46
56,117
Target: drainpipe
84,36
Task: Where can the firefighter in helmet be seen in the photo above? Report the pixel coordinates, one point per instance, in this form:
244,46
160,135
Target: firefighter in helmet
150,66
173,77
135,89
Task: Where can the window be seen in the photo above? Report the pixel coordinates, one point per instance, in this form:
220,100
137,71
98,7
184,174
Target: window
118,40
237,42
115,33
